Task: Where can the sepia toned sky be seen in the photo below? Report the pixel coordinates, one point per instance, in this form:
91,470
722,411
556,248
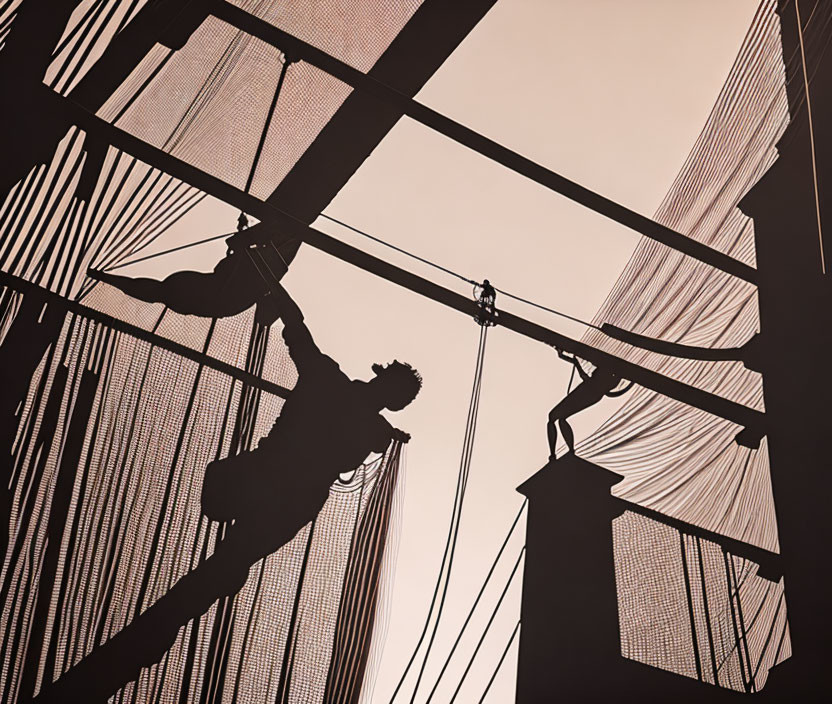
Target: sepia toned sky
610,93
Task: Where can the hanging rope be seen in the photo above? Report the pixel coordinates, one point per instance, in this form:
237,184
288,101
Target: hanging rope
242,223
441,588
490,621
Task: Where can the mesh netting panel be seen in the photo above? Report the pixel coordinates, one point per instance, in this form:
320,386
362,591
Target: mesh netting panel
674,458
355,31
208,103
106,517
686,607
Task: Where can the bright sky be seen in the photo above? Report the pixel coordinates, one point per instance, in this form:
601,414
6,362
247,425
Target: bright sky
610,94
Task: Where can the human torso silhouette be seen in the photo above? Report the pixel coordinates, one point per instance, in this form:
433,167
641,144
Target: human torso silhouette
326,427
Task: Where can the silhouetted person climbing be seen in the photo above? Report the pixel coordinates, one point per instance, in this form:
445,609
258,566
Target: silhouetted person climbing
593,388
236,284
328,426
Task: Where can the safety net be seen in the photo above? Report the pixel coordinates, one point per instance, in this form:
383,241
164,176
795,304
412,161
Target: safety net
110,447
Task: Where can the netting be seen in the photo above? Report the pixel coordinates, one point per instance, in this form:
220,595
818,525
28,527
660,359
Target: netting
674,458
110,449
91,206
218,88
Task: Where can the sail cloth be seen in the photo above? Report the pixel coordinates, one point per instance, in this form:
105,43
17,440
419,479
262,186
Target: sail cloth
106,517
675,459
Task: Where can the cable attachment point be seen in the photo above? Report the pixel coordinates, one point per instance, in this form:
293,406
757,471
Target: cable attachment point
486,295
242,222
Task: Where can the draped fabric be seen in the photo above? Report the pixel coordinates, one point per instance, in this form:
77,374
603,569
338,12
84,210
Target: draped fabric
674,458
112,443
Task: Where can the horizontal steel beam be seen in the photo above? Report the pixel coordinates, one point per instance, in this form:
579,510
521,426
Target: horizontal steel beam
289,225
300,50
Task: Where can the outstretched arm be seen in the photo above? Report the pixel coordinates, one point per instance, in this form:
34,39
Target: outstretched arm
302,347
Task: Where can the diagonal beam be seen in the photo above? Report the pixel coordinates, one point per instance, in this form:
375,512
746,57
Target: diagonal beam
288,224
299,49
27,287
359,125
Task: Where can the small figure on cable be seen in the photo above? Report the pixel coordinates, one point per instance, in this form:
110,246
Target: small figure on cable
486,299
237,282
593,388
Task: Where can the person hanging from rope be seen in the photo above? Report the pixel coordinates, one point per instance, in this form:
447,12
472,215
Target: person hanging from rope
235,284
328,426
593,387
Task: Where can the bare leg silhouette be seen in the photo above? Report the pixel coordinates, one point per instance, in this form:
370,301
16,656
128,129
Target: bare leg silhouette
568,435
145,640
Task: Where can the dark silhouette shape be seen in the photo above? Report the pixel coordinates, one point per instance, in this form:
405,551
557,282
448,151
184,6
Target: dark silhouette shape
35,328
487,301
748,353
593,388
236,284
328,426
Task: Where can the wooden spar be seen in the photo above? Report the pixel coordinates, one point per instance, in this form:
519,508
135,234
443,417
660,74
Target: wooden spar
27,287
708,402
300,50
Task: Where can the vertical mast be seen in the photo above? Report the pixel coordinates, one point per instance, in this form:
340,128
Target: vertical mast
790,207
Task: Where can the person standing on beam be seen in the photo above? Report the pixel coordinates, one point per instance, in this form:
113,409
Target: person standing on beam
593,388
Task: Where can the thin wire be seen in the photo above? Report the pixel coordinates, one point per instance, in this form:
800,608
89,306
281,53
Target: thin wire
488,625
500,662
458,276
400,250
169,251
549,310
811,135
477,600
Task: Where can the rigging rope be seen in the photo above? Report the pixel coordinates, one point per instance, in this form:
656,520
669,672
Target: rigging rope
455,274
488,625
500,661
170,251
477,600
446,565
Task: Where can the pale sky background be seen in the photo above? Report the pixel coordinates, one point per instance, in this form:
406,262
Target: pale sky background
609,93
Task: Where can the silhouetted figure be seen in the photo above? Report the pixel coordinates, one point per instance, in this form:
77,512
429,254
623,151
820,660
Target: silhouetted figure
593,388
328,426
237,282
487,301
